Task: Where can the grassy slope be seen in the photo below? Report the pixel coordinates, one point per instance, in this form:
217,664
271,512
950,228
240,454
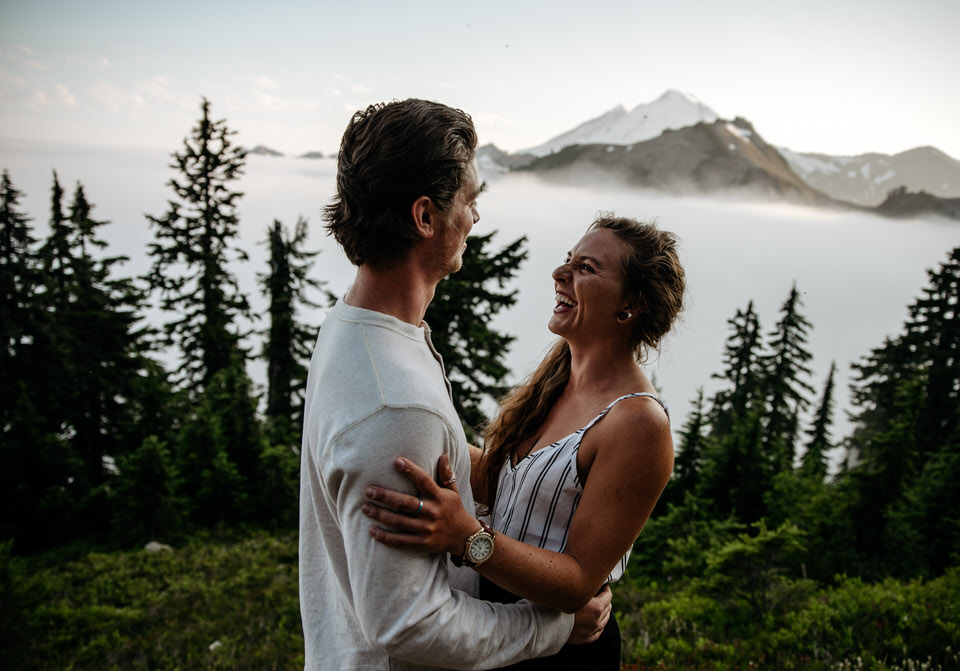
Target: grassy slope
163,610
160,610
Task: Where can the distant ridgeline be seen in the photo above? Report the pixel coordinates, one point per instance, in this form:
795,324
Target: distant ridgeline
676,144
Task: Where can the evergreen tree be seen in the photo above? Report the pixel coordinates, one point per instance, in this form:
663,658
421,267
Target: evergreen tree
279,489
78,361
907,395
20,313
289,342
192,248
154,408
98,349
743,372
460,314
231,402
786,367
736,473
926,521
815,458
933,334
18,283
145,491
40,476
689,460
209,484
55,251
106,350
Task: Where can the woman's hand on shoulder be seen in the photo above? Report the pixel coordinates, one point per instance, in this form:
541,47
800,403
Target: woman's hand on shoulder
433,521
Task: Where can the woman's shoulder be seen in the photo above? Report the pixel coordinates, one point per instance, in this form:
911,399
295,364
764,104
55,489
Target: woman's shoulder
639,407
636,420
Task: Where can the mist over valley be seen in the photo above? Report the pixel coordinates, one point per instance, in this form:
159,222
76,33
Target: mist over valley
856,272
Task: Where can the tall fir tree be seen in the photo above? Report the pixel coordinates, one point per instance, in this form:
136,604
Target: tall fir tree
907,430
814,463
107,349
55,250
19,309
933,332
743,372
787,390
94,352
194,244
39,473
689,459
460,315
289,341
736,473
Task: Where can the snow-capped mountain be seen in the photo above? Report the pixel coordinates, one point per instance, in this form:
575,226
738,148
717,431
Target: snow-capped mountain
677,143
492,161
866,179
671,110
718,157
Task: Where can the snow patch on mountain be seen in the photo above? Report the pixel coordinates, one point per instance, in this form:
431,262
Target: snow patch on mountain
740,133
672,110
866,179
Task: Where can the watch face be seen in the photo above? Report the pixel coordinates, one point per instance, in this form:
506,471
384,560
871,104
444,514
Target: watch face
480,548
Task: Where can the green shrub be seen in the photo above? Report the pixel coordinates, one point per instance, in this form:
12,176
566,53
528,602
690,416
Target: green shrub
164,610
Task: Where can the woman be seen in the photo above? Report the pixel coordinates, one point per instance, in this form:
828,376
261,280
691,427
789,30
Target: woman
578,455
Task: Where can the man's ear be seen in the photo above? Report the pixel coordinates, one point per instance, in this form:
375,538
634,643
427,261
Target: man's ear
424,216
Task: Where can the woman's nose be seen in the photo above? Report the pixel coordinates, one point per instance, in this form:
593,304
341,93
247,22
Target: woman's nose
560,274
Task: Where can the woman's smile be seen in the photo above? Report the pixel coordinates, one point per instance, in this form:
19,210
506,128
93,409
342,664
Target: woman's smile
564,303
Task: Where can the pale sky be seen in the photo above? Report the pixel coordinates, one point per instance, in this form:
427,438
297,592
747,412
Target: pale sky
835,76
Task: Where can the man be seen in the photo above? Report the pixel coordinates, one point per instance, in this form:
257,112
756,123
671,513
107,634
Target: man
406,200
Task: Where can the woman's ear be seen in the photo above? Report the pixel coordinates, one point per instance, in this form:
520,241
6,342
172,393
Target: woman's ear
628,311
424,216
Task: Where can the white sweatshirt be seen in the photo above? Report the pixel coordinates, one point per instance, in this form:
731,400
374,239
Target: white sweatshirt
376,390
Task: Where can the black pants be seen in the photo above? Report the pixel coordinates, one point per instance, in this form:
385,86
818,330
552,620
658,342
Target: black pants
601,655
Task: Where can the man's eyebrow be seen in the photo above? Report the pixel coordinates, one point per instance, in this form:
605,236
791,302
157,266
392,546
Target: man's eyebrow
482,188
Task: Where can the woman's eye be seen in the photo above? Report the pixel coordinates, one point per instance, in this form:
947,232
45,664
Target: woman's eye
587,267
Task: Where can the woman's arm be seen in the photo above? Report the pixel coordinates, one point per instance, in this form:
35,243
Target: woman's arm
476,478
625,480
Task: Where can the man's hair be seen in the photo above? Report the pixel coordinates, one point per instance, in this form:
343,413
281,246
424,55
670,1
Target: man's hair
391,154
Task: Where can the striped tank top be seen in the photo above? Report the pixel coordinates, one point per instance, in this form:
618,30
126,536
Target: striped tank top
536,499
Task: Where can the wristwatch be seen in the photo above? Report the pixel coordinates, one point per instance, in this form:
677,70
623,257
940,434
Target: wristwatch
478,547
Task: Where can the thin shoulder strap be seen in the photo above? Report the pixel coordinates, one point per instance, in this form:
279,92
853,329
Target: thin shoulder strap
615,401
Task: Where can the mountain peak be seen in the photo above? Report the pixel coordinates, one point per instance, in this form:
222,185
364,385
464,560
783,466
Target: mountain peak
674,94
672,110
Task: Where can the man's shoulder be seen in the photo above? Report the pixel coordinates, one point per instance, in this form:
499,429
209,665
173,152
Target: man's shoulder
368,375
400,422
387,364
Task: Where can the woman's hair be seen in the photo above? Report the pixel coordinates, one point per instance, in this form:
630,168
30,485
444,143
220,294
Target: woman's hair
391,154
653,279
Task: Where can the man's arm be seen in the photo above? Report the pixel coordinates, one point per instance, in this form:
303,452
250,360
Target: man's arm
403,598
625,481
